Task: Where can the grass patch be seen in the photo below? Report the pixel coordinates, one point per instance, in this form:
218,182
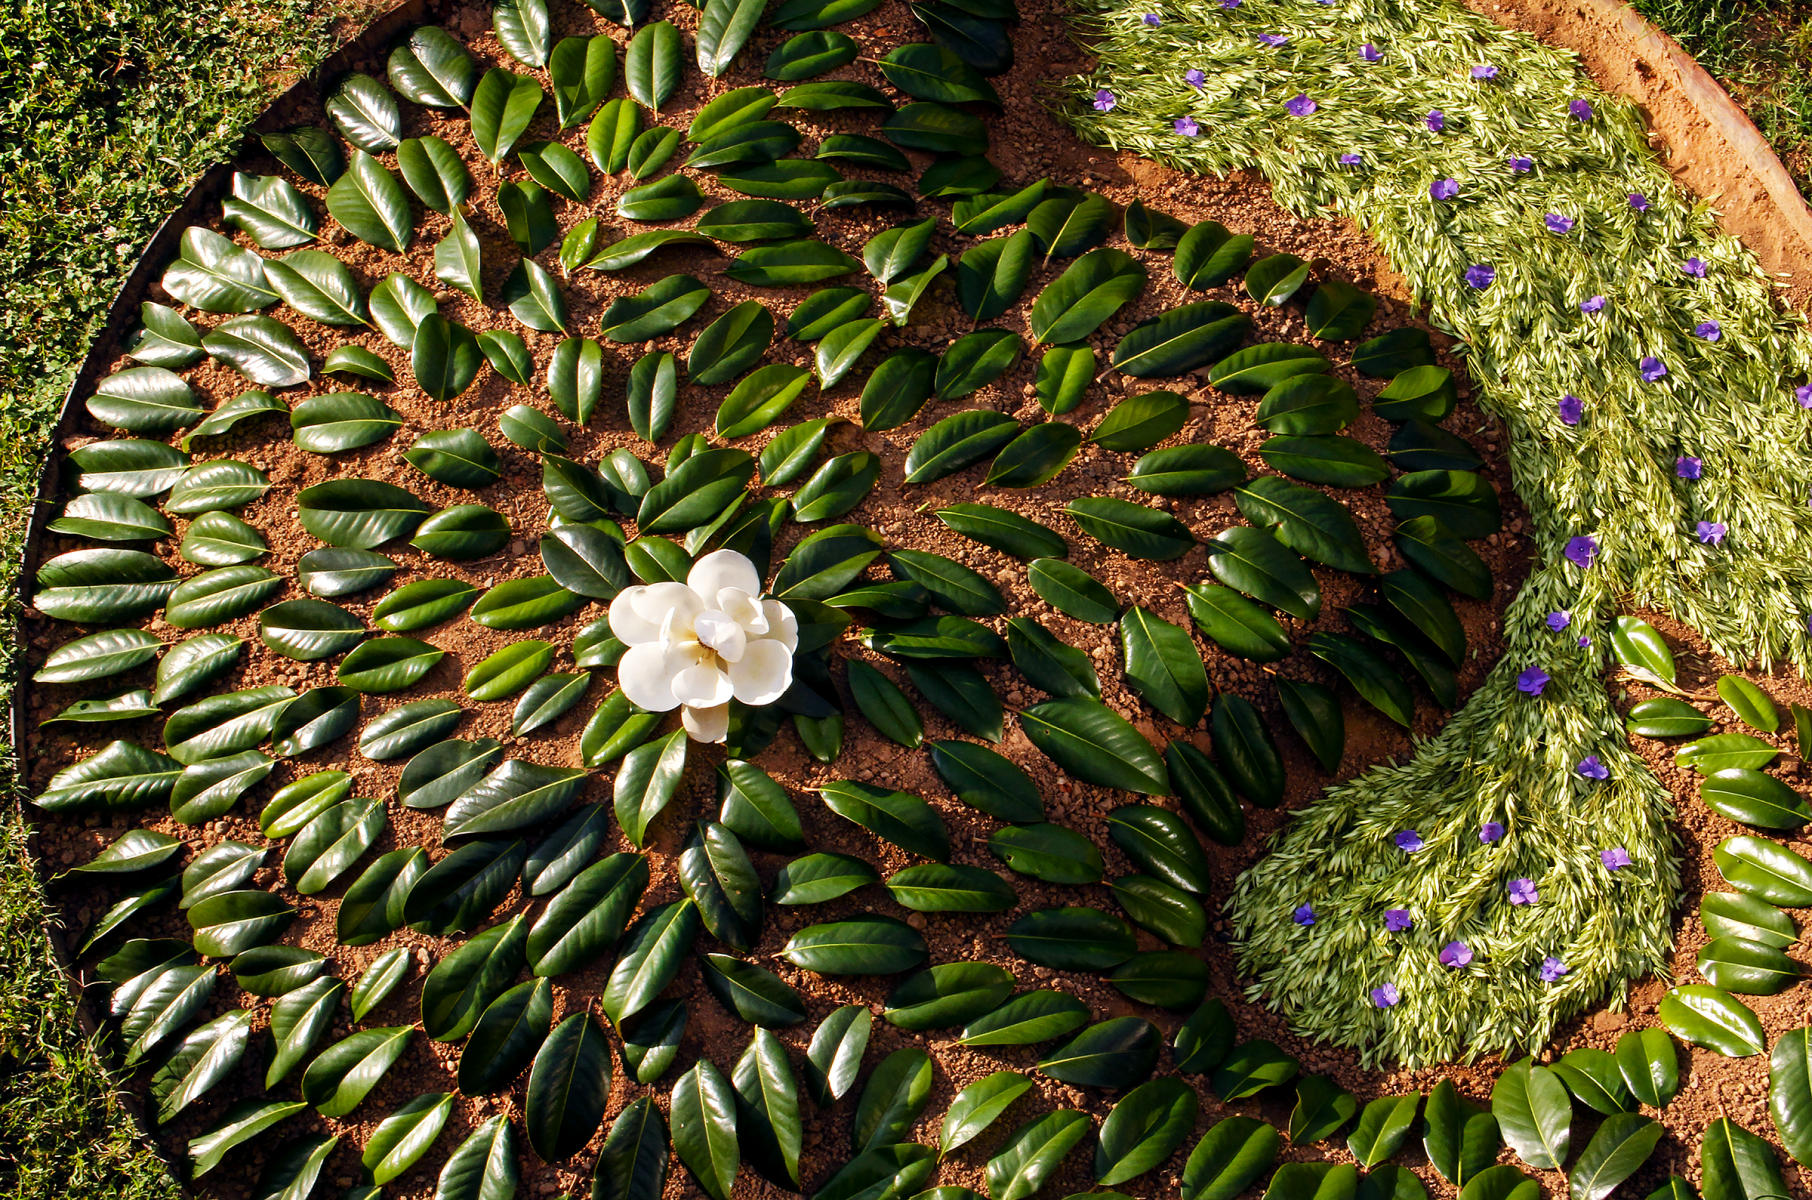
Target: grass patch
107,115
1757,49
1531,339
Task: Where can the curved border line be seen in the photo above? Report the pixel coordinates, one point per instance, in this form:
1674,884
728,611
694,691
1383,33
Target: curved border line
306,94
1782,238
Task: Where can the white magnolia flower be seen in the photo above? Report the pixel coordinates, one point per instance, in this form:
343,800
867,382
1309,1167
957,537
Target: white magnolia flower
698,644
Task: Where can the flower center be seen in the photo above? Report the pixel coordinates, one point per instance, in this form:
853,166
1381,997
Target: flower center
720,632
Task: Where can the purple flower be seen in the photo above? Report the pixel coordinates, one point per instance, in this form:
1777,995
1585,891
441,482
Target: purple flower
1559,620
1581,110
1300,105
1371,53
1571,409
1582,551
1614,859
1396,920
1386,996
1349,159
1639,202
1437,120
1408,840
1104,101
1480,276
1803,394
1272,39
1688,467
1195,78
1304,915
1532,681
1187,126
1521,166
1151,18
1584,641
1711,533
1694,266
1652,368
1711,331
1229,3
1551,969
1559,224
1484,71
1591,767
1491,831
1522,891
1592,304
1444,189
1456,954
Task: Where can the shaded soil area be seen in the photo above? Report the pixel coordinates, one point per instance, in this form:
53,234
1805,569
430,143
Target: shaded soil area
1029,143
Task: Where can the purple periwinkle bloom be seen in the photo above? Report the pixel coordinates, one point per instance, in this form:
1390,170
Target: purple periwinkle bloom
1187,126
1491,831
1584,641
1711,331
1803,394
1522,891
1396,920
1349,159
1592,304
1104,101
1711,533
1408,840
1581,110
1521,166
1559,224
1552,969
1484,71
1532,681
1151,19
1652,369
1592,767
1444,189
1694,266
1437,120
1559,620
1582,551
1456,954
1300,105
1272,39
1614,859
1571,409
1386,996
1304,915
1688,467
1371,53
1229,3
1639,202
1480,276
1195,77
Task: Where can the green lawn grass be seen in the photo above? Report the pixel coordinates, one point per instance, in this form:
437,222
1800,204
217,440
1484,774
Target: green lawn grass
1757,49
107,112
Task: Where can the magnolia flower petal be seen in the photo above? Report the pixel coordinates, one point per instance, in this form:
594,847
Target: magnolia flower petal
720,632
706,724
702,684
629,625
783,626
641,614
646,678
764,672
670,607
722,569
745,609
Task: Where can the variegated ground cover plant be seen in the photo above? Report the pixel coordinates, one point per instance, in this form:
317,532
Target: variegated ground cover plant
523,890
